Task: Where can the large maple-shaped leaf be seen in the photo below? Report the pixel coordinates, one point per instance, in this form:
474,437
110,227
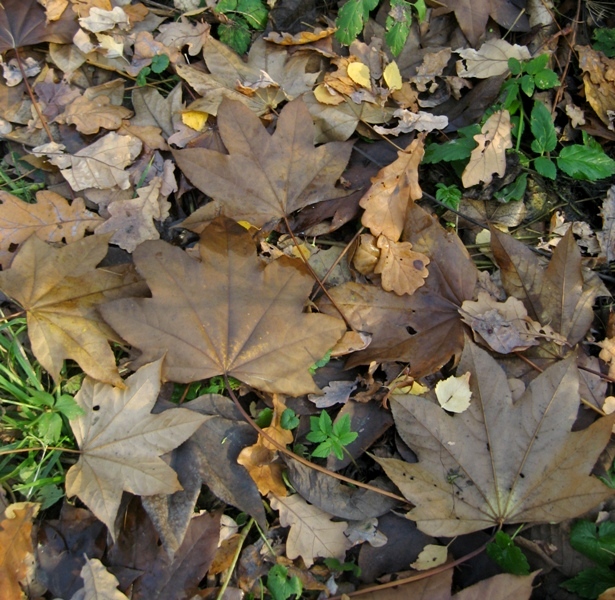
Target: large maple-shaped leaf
225,314
121,442
60,290
424,328
561,295
499,461
266,177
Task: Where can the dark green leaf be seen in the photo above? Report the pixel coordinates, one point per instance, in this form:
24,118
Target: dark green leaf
160,62
264,418
514,191
280,586
352,18
541,124
527,84
591,582
458,149
546,167
504,552
254,12
536,64
142,76
67,406
235,35
546,79
323,450
421,9
515,66
449,195
595,541
584,163
226,6
289,419
604,41
398,23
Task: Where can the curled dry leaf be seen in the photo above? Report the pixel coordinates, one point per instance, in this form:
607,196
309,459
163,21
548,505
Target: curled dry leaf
499,461
265,178
90,115
121,442
60,289
395,186
599,79
225,309
490,60
489,156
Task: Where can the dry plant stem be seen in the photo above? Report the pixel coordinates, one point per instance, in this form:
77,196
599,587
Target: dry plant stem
560,90
423,575
313,274
31,94
229,571
38,449
302,460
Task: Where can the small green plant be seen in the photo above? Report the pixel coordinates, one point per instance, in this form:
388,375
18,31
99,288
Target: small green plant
604,41
330,437
289,419
450,195
159,65
506,554
334,565
353,16
320,363
281,586
597,542
237,20
215,385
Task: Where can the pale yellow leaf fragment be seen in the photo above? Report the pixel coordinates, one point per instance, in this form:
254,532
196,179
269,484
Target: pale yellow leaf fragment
489,156
392,76
103,20
359,73
607,354
195,119
490,60
454,393
431,556
326,95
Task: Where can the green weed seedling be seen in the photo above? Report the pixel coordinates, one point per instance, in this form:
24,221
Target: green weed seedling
604,41
330,437
353,17
159,65
237,20
281,586
597,542
507,555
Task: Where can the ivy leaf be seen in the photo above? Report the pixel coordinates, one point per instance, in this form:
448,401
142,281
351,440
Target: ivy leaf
541,123
510,557
352,18
280,586
585,163
595,541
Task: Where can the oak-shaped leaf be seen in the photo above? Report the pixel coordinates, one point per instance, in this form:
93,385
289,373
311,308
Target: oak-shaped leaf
423,328
265,178
225,314
499,461
121,442
60,290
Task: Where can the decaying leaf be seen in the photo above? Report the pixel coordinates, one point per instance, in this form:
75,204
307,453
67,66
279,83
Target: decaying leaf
230,315
16,547
51,218
260,459
98,583
395,186
599,79
490,60
60,290
489,156
121,442
499,462
431,556
410,121
312,533
89,115
266,177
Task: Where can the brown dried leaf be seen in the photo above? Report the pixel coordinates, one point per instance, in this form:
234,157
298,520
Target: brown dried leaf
208,336
599,79
16,548
89,115
184,33
395,186
489,156
512,462
60,289
121,442
98,583
402,269
51,218
265,177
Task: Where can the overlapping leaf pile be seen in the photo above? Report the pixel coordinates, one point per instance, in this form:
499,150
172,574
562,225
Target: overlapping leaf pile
258,302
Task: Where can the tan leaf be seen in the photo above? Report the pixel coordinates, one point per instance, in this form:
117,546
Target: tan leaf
395,186
261,460
184,33
100,165
90,115
607,354
606,237
16,547
99,584
312,533
499,461
121,442
490,60
599,79
403,271
489,156
303,37
431,556
52,218
153,109
208,337
60,289
266,177
100,19
410,121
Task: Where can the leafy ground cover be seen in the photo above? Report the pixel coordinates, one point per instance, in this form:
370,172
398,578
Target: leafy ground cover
305,301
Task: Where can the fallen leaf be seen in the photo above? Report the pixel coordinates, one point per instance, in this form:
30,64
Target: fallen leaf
301,38
153,109
431,556
312,533
607,354
606,237
490,60
499,462
265,177
184,33
51,218
402,269
489,156
208,337
100,19
453,393
392,190
16,547
599,80
98,583
90,115
121,442
261,460
100,165
424,328
410,121
60,289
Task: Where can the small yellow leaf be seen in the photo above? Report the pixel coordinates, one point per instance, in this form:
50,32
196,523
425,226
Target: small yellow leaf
195,119
325,95
359,73
418,389
454,393
392,76
431,556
